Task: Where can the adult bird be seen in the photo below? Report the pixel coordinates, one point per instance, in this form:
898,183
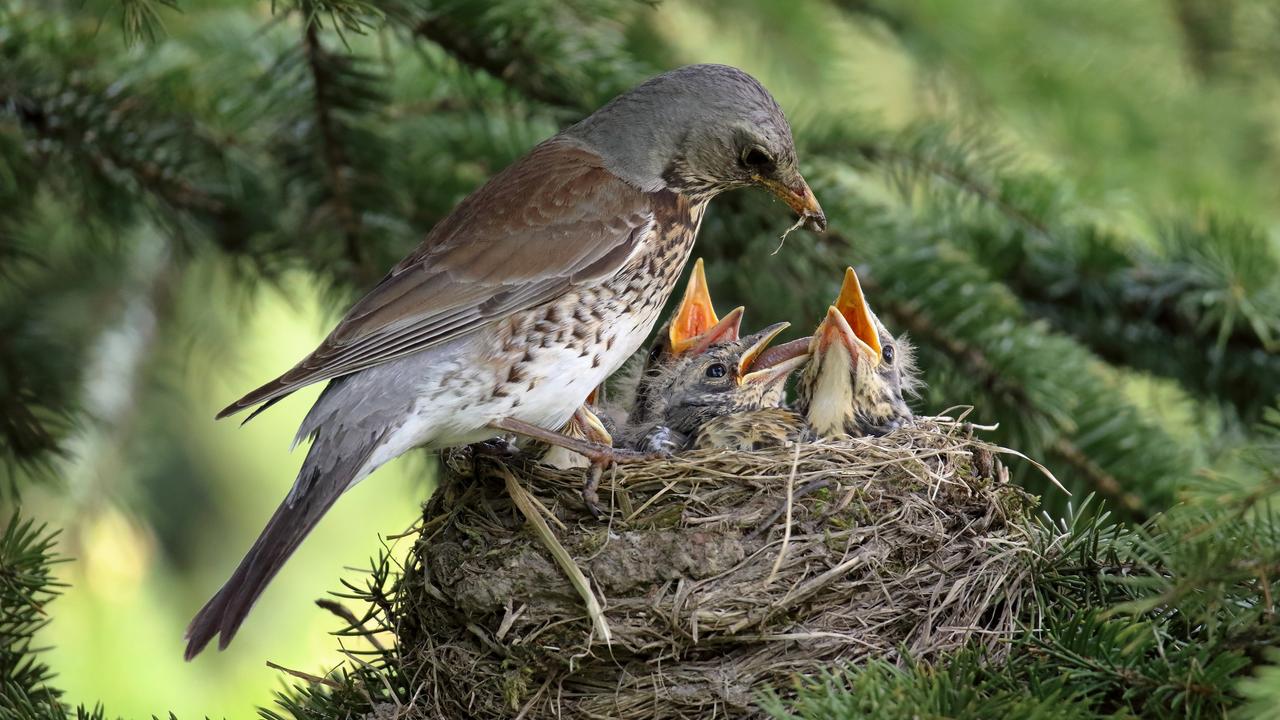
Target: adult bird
522,300
858,373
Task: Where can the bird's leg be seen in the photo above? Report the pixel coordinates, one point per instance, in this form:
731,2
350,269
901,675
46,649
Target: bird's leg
590,487
600,455
592,450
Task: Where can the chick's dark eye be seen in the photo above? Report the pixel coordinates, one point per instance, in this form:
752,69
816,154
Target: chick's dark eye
717,370
755,158
887,353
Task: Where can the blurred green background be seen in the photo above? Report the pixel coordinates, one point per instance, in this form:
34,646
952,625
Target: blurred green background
1147,120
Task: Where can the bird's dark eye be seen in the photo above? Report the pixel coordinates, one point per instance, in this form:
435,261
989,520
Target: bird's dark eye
717,370
887,353
756,158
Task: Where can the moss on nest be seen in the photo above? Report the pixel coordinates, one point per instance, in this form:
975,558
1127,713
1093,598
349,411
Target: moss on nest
711,588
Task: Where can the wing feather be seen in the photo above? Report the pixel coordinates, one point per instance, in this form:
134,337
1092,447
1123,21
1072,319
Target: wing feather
554,220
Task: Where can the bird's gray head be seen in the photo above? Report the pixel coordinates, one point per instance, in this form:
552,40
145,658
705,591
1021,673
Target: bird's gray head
700,130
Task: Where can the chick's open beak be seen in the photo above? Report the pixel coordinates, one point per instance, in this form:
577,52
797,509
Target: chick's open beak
852,305
726,330
695,315
797,195
836,331
758,365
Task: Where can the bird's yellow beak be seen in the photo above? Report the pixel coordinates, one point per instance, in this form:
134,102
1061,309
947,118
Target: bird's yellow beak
760,366
799,198
695,326
851,306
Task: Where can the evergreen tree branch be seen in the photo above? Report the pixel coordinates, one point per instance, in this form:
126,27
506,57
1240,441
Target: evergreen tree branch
503,64
1208,287
335,157
979,368
564,55
141,19
26,588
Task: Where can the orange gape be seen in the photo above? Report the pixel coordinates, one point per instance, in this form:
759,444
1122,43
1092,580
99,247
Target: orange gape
853,306
695,315
695,326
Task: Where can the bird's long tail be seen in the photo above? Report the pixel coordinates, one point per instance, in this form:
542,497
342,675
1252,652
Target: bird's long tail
321,481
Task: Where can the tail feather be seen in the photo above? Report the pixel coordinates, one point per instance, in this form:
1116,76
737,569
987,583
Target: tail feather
314,493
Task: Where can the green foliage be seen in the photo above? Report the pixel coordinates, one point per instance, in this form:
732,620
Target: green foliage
26,587
962,690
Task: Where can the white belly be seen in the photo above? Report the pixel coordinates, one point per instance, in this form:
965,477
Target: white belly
454,401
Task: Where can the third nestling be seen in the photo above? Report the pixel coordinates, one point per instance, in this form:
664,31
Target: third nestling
858,373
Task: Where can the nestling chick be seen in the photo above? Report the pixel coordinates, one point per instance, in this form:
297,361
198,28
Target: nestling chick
728,378
857,372
692,329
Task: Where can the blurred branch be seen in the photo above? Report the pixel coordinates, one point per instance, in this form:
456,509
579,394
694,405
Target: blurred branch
1206,27
1210,288
507,64
567,55
178,192
331,148
141,19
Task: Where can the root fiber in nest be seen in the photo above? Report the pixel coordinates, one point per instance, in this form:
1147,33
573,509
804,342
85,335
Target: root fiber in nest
719,574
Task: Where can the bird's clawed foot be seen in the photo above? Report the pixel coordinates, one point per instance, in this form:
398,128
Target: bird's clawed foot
614,456
601,456
590,486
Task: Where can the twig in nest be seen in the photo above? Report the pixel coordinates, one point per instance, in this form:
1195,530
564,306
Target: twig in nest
341,611
1043,470
786,532
579,581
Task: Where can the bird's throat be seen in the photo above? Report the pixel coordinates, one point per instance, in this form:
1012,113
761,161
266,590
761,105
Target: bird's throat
831,408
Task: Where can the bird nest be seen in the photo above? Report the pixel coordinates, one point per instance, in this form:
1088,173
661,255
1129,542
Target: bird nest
716,574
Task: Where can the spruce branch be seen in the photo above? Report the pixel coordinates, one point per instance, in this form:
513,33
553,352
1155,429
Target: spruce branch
565,55
141,19
1208,287
979,367
335,157
26,588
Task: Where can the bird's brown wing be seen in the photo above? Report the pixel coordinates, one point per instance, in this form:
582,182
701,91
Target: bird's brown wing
553,220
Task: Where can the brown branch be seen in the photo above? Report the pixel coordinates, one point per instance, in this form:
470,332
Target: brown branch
503,66
335,157
343,612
